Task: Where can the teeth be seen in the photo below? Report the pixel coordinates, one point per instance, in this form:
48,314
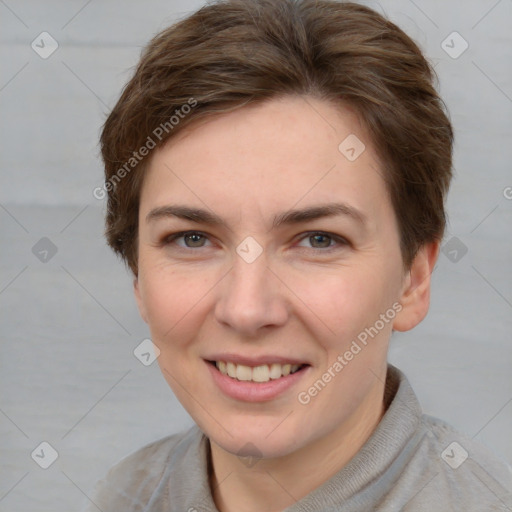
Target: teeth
231,370
243,372
275,371
262,373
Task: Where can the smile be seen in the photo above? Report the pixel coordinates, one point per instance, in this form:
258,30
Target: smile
261,373
257,378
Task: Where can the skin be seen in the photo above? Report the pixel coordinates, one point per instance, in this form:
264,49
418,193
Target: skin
303,297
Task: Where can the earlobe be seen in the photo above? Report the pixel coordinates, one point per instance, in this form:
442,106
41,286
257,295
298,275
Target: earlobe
415,299
139,299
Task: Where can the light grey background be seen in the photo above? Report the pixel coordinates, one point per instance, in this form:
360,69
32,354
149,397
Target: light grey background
70,325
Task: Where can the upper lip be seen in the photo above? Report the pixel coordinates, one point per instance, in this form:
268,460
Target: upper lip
254,361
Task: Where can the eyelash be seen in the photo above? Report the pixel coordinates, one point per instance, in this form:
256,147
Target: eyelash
169,239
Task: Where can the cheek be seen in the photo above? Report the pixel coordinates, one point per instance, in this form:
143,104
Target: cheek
346,300
168,298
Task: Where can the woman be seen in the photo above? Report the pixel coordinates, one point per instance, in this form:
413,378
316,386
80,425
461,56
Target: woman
276,174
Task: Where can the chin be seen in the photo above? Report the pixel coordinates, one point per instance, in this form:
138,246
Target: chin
263,442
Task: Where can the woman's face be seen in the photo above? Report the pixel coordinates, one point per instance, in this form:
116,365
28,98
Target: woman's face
255,281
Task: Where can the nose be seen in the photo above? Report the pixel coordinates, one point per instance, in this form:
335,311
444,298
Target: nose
251,298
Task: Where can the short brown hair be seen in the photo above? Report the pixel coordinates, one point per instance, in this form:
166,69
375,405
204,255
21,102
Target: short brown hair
235,52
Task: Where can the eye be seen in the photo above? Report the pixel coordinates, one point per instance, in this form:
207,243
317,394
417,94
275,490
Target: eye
321,240
191,239
326,242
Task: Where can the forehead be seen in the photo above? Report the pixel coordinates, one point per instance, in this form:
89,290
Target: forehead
269,157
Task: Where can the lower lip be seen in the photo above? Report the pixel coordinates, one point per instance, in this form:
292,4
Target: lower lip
249,391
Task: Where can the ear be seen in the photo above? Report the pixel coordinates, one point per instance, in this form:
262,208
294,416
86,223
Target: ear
140,301
415,298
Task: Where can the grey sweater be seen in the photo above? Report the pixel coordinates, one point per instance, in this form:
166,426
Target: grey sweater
411,462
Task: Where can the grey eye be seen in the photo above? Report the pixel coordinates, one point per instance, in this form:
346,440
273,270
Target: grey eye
194,239
320,240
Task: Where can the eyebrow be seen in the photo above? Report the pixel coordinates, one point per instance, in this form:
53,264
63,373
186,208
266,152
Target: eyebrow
309,214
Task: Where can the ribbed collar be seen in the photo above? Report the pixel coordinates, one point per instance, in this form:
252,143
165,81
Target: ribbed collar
367,477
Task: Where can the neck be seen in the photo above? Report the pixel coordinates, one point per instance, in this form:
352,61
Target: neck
273,484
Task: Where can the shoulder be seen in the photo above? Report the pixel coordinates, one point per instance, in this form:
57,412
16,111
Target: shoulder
131,483
457,448
462,471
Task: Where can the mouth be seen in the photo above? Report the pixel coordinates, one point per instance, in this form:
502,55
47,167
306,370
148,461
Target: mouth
258,374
